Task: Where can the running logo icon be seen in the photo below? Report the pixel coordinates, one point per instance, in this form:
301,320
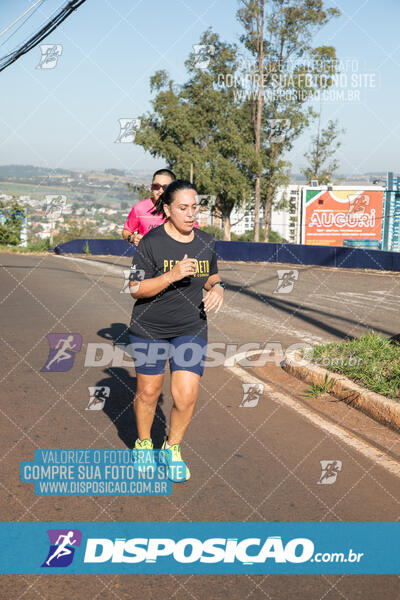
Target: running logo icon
286,280
133,274
62,547
128,129
98,397
251,394
55,206
330,470
278,129
63,347
202,55
207,200
358,203
50,56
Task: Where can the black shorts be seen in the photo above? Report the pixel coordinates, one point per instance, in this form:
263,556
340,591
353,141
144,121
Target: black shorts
185,353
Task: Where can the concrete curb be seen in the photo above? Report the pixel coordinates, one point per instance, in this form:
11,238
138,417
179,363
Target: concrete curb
381,409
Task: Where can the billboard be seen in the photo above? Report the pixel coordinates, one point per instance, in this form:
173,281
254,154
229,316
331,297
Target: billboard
331,216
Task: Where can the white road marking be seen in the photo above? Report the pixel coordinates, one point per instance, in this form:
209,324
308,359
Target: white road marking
384,293
368,450
96,263
261,320
360,300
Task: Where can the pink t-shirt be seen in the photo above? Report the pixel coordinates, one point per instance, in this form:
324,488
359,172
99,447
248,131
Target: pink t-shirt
141,218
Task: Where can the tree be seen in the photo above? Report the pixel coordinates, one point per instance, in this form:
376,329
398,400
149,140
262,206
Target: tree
323,147
278,35
142,191
76,231
201,128
12,217
249,237
216,232
252,16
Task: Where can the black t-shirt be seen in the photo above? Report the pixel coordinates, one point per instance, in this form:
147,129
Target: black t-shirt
177,310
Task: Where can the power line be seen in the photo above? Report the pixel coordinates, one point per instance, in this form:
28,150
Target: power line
48,28
29,16
20,17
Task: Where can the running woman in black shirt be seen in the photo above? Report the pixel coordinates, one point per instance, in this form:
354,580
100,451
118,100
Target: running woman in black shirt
172,266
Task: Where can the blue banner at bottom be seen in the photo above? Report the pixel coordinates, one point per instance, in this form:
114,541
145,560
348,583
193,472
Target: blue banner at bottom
200,548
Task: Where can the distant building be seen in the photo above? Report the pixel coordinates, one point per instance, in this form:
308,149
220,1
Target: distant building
242,220
286,221
391,214
43,234
209,216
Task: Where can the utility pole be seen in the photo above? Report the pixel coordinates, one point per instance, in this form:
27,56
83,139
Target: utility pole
52,223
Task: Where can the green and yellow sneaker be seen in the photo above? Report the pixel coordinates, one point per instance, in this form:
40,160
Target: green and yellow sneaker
143,455
178,471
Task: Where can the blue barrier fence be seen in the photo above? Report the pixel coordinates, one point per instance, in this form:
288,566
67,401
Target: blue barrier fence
296,254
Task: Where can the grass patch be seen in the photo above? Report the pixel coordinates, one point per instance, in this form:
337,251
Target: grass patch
32,247
372,361
316,389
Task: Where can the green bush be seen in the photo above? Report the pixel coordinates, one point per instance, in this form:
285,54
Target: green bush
274,237
38,245
248,236
75,232
12,215
216,232
34,245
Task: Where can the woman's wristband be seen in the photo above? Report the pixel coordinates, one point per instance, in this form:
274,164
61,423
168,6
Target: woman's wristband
221,283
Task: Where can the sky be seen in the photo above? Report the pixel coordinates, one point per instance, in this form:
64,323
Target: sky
68,116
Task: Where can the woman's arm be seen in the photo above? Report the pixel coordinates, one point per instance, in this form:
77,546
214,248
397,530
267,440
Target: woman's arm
154,285
210,281
126,233
135,239
215,294
150,287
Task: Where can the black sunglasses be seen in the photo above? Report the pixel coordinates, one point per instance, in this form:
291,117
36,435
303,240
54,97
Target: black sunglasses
158,186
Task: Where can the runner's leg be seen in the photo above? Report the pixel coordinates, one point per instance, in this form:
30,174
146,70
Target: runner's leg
147,393
184,390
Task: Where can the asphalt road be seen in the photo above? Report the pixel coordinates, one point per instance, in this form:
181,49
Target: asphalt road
254,463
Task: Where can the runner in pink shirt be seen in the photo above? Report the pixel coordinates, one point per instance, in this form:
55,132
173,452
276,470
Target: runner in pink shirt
141,220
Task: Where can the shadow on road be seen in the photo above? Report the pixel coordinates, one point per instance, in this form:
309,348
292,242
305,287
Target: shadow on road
119,406
298,310
117,333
